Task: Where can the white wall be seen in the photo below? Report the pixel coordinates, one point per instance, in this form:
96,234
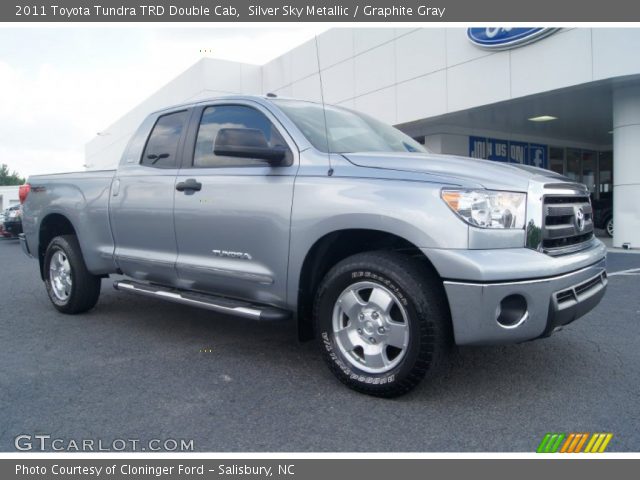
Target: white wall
402,75
8,197
207,78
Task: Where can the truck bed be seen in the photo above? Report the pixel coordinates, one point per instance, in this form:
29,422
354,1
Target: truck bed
81,197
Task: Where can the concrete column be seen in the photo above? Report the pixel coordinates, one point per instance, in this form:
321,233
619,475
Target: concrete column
626,166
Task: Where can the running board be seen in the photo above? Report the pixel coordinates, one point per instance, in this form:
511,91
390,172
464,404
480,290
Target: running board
209,302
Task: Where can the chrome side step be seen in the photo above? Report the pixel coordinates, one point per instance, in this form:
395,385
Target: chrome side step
209,302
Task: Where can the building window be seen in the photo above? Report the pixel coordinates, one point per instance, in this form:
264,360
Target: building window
556,159
589,170
605,174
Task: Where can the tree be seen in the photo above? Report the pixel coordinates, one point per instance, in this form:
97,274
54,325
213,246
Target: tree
7,178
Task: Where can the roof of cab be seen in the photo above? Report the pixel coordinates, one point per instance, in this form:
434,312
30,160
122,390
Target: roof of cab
261,99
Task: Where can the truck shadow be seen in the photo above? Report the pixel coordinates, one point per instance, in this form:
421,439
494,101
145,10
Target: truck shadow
507,371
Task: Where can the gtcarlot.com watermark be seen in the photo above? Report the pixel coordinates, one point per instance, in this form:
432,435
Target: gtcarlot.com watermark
26,442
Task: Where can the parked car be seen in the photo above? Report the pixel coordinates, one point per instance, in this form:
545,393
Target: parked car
380,250
2,231
13,221
603,214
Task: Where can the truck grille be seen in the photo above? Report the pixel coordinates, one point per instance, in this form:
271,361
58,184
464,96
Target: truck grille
568,223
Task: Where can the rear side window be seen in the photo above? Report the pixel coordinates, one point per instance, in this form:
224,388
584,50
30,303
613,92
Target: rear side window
233,116
162,147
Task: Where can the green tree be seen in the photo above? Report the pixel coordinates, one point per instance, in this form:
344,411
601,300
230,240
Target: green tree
9,178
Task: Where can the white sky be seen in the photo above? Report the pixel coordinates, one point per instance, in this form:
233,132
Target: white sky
60,86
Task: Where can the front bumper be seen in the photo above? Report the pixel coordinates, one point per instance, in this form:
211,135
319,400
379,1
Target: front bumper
550,304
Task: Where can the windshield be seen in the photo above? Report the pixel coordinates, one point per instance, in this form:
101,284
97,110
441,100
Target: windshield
348,131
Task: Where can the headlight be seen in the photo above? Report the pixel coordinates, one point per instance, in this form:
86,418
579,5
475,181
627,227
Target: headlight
488,208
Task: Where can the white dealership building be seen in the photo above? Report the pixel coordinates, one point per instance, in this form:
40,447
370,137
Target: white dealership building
8,197
567,100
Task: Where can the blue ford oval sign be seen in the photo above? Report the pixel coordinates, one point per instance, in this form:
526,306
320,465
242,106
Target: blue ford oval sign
504,38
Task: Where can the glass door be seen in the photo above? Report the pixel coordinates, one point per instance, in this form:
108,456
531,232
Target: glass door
589,170
556,159
574,169
605,174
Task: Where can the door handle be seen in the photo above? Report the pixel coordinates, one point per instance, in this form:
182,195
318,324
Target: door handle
189,185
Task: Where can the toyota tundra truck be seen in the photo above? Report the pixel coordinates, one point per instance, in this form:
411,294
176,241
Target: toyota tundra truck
276,209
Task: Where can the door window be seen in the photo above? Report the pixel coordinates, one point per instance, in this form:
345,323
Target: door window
233,116
161,150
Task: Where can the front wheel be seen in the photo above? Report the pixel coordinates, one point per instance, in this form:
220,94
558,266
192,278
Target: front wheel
382,322
70,286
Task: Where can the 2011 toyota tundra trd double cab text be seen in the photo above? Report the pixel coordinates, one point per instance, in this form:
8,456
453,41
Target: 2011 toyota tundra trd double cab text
271,209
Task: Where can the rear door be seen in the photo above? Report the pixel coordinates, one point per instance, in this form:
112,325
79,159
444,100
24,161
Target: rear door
142,195
233,233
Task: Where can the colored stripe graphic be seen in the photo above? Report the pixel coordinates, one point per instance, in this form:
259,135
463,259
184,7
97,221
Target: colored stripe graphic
598,442
543,443
592,441
550,443
569,443
581,443
573,442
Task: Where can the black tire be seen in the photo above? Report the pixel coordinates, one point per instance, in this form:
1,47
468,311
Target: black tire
85,287
421,293
608,227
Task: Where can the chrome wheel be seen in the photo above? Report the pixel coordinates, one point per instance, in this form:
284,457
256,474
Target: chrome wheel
609,227
371,327
60,275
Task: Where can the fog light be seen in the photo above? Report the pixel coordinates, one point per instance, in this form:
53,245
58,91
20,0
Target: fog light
512,311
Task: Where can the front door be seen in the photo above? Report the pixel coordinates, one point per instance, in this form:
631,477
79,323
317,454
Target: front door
232,227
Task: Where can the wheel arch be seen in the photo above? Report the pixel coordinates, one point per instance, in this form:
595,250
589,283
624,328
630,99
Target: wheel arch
334,247
51,226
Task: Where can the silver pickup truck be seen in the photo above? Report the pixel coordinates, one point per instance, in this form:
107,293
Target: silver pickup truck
274,209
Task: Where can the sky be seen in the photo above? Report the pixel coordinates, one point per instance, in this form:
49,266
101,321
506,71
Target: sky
59,87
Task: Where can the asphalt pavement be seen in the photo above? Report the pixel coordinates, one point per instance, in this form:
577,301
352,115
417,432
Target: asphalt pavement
139,368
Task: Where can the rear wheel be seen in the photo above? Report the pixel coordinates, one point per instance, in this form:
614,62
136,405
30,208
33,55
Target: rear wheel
71,287
382,322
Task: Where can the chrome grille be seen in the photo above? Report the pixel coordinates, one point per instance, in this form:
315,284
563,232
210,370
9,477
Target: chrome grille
567,223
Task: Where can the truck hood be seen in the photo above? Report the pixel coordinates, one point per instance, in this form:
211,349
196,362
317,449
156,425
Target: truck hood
468,172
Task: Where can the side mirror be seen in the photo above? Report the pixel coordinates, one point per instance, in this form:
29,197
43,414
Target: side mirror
247,143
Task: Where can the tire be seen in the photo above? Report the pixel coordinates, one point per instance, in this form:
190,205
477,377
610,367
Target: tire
370,353
608,227
71,287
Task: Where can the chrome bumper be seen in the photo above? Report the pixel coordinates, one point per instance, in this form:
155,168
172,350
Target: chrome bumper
549,303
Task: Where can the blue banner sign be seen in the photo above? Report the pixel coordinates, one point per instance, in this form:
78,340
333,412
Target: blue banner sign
510,151
538,155
478,147
497,150
518,152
